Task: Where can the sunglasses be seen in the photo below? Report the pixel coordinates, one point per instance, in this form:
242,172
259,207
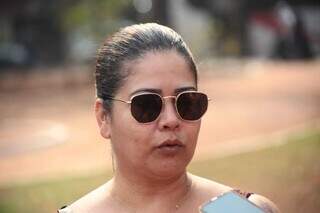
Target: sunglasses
146,107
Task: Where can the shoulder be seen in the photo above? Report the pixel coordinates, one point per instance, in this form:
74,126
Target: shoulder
208,189
91,202
209,184
264,203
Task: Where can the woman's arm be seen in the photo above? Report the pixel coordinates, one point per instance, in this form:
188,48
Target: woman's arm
264,203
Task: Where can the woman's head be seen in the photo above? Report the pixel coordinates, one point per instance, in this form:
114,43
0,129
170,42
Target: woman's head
129,44
150,60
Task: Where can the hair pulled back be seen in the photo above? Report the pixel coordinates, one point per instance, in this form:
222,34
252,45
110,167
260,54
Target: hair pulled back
131,43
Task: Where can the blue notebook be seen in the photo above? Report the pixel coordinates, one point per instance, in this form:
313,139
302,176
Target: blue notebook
230,202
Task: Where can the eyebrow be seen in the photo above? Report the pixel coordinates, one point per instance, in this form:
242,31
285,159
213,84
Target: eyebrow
145,90
158,91
182,89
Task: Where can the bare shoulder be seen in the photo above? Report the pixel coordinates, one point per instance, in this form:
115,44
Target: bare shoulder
208,188
264,203
91,201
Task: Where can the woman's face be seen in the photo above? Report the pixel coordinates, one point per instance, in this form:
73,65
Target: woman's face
165,146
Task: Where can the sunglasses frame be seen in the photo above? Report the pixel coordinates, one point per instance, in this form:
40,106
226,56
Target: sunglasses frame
163,98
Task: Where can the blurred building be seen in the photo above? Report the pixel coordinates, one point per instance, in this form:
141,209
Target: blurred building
30,33
266,28
48,32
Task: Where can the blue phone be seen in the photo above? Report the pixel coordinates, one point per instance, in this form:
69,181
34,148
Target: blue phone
230,202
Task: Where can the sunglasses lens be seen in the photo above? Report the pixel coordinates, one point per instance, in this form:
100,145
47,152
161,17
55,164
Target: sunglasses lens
146,107
192,105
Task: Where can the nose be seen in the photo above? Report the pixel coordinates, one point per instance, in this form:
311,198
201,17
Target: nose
168,118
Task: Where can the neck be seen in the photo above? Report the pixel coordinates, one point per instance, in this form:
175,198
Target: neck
136,193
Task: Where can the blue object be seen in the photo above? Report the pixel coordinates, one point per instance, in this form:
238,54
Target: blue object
230,202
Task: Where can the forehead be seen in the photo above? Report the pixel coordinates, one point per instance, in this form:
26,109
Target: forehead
163,70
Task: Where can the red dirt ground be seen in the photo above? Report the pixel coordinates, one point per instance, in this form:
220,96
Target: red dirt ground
48,129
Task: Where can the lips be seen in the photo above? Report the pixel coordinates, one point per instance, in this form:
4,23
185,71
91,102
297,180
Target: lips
170,144
170,148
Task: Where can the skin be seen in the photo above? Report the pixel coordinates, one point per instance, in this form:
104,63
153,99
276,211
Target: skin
148,179
135,145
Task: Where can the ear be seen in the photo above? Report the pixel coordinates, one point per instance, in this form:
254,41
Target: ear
103,118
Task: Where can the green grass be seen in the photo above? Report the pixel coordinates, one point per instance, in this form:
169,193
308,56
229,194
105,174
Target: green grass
288,174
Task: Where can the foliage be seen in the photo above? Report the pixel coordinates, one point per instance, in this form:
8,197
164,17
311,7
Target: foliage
94,15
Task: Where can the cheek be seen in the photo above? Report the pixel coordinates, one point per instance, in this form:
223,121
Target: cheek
192,132
129,139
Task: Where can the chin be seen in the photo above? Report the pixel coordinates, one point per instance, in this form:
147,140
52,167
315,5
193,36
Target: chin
169,174
170,169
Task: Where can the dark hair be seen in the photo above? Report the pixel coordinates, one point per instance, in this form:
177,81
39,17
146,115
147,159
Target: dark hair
131,43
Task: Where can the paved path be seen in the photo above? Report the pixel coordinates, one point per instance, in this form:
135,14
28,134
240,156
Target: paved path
51,132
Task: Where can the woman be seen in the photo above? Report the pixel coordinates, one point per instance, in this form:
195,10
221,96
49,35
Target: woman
149,107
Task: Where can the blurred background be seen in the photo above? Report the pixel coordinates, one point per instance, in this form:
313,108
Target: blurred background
259,61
